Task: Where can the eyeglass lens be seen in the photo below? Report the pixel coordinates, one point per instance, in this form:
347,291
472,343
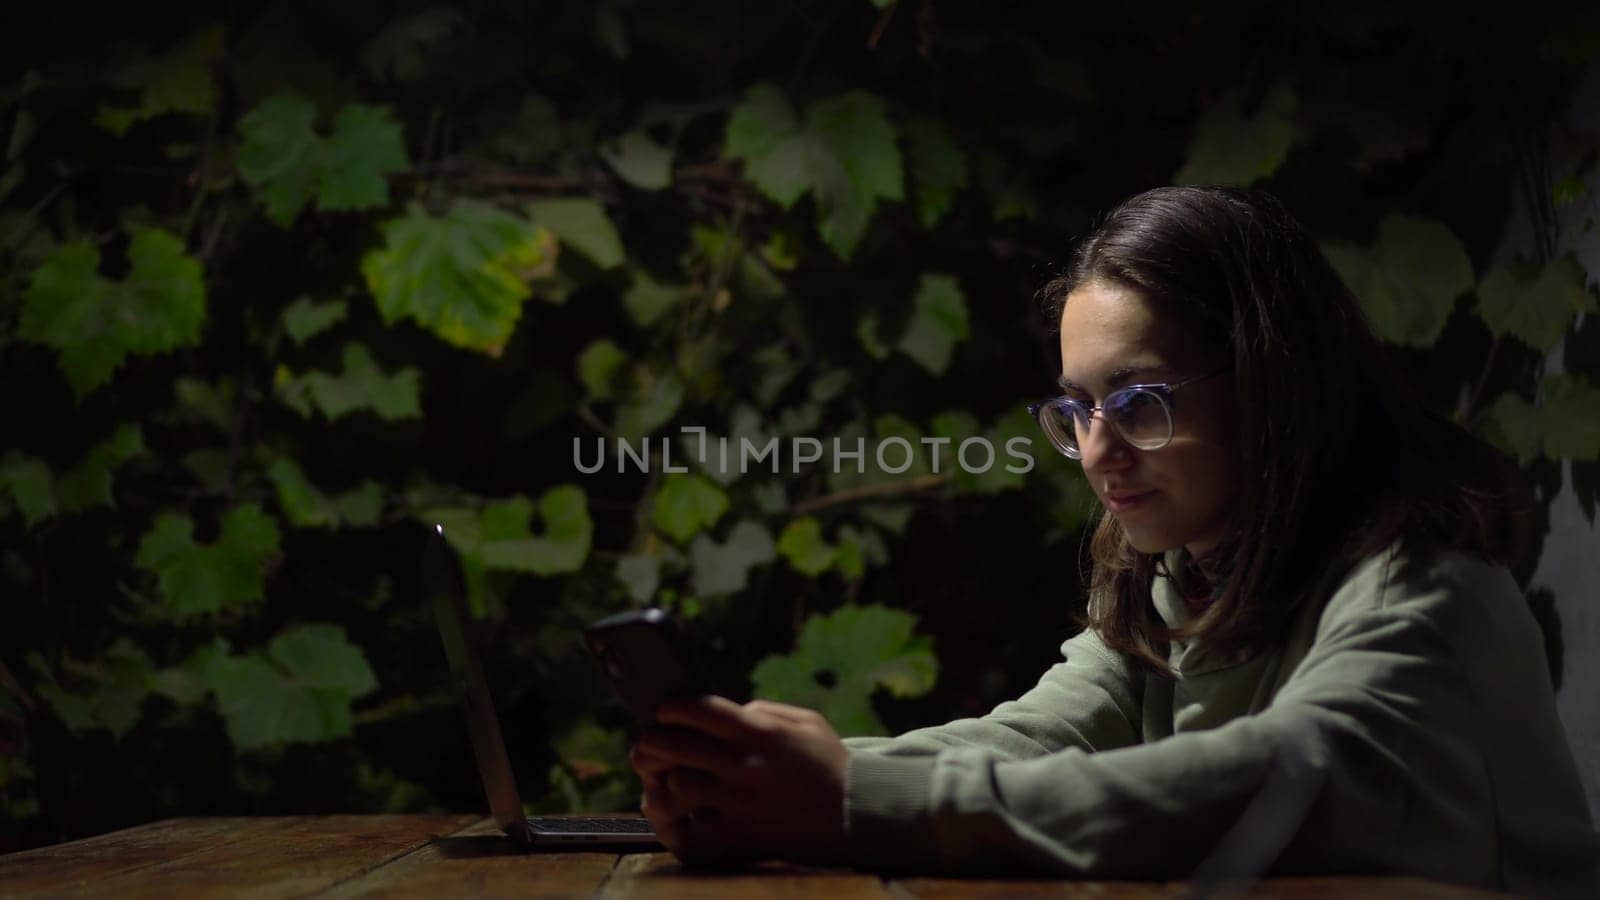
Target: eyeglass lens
1140,417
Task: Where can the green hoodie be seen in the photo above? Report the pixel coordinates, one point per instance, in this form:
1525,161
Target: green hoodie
1406,725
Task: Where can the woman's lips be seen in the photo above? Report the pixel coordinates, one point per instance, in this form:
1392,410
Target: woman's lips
1123,502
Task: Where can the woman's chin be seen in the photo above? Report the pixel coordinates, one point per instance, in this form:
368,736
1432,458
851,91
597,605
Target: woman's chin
1149,542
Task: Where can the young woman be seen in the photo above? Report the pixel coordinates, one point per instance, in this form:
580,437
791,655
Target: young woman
1302,653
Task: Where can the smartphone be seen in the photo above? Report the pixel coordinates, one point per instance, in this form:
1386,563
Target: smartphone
649,658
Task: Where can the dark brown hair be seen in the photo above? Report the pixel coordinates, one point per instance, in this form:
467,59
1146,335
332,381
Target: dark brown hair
1349,458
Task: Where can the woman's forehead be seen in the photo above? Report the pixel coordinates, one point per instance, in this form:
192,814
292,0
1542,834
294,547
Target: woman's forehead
1106,330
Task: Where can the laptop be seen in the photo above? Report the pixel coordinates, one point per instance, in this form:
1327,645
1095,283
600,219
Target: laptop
443,582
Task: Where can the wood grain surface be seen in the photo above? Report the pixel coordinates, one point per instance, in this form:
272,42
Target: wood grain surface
466,856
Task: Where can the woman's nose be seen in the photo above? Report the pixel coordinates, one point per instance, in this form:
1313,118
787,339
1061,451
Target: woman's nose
1101,447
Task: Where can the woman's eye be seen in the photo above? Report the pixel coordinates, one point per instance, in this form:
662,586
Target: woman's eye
1136,410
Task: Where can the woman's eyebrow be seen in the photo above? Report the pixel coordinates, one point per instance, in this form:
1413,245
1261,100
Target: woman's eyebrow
1116,379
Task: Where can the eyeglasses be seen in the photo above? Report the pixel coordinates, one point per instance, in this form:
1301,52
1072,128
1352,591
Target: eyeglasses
1141,414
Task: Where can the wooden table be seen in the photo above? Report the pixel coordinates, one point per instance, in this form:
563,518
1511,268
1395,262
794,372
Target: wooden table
465,856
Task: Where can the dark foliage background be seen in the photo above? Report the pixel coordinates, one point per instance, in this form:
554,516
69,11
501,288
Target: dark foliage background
283,282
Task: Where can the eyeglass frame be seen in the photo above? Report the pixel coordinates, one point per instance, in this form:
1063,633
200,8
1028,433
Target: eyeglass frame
1163,391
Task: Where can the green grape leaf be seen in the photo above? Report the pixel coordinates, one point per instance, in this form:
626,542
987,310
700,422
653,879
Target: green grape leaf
717,456
1515,425
957,425
889,426
500,536
938,168
179,81
764,132
581,224
856,136
203,402
686,505
841,659
209,467
802,545
185,683
778,368
367,144
653,405
598,367
532,134
262,708
1570,417
938,323
994,450
163,299
1407,281
1235,148
725,568
287,163
647,300
88,483
848,473
279,153
829,385
360,507
845,154
867,334
362,385
29,483
640,573
400,51
302,504
203,578
124,684
74,710
782,250
770,497
463,276
891,517
1565,192
848,559
591,751
319,656
640,161
305,319
859,548
298,691
95,323
1534,305
123,678
562,547
756,281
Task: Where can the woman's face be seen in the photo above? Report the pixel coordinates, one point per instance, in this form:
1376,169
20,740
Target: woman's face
1181,494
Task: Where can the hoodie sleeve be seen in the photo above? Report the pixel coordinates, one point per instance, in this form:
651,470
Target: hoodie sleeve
1089,700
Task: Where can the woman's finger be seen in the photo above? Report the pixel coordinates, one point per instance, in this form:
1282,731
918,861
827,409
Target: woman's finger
649,765
706,838
797,715
660,805
682,747
666,819
699,792
718,717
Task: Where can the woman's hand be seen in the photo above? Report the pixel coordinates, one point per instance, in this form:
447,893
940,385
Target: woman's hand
729,782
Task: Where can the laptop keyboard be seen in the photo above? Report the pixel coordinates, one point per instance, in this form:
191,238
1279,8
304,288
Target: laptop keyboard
588,825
